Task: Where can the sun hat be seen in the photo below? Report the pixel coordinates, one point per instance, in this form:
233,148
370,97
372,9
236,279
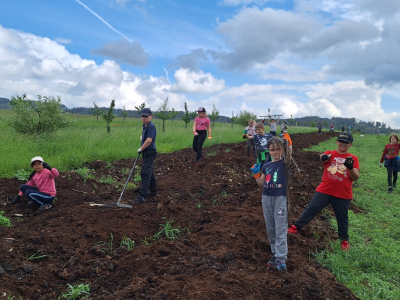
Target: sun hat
146,112
36,158
345,137
201,109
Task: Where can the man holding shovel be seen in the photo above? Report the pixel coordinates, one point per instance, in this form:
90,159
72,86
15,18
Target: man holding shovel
148,185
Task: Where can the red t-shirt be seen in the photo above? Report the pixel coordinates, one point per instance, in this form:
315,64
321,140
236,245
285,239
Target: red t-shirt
391,151
336,179
201,123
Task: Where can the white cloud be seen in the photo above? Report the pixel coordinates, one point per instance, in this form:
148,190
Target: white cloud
63,41
196,82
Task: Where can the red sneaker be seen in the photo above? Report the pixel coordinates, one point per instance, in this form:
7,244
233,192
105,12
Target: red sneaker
345,246
292,230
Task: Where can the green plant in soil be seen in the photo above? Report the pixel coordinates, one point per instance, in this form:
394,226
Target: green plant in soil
85,173
107,179
125,171
22,175
78,291
199,205
168,231
35,256
4,221
127,243
212,153
11,297
107,247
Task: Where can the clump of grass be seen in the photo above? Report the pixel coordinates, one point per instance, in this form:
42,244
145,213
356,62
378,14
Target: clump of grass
212,153
78,291
35,256
85,173
107,179
22,175
169,231
127,243
4,221
107,247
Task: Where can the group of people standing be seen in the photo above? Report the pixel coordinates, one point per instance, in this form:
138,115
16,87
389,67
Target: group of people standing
271,172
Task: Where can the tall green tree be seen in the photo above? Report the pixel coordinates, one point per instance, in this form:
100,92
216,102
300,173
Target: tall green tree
163,113
109,116
244,117
214,114
37,117
193,115
96,111
186,116
173,114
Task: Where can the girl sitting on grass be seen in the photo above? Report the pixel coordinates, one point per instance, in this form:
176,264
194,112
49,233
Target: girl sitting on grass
40,188
274,179
391,156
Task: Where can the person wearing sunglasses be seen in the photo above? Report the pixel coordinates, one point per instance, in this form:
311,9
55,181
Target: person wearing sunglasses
341,170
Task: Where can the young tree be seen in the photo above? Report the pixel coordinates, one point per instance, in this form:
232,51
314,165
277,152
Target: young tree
193,115
96,111
109,116
37,117
163,113
124,113
313,124
140,107
233,119
214,114
326,123
173,114
244,117
186,116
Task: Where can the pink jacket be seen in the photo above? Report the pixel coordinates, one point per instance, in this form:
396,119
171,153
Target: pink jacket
44,181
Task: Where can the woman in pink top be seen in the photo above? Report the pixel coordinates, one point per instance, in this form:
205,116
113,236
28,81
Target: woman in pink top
200,126
41,187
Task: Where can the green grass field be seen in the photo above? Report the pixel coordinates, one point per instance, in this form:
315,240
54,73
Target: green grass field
88,141
371,269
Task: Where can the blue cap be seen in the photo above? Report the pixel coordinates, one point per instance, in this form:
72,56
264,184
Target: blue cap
146,112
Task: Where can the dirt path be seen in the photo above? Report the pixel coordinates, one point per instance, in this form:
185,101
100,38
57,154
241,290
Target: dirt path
223,257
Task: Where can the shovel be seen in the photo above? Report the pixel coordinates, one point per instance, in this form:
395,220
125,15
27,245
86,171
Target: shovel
119,204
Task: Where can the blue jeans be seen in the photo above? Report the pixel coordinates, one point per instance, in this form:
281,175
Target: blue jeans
34,194
148,179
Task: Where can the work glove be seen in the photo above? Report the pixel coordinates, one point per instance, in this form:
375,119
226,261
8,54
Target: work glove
245,131
195,133
244,136
349,162
46,166
325,157
139,150
209,137
281,135
255,169
380,165
16,199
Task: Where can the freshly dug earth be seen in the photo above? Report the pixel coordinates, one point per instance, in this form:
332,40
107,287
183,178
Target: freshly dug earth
221,253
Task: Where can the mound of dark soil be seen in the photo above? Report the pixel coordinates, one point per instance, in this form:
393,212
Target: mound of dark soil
221,253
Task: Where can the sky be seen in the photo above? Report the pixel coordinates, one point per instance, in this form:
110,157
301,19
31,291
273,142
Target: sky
326,58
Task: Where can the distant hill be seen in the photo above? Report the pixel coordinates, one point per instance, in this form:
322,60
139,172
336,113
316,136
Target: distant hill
311,121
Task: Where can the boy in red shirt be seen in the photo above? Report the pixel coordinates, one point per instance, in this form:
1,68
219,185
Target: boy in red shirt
391,156
41,187
341,169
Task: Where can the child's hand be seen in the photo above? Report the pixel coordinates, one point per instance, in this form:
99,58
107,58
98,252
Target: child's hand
255,169
244,136
380,165
325,157
209,137
46,166
349,162
195,133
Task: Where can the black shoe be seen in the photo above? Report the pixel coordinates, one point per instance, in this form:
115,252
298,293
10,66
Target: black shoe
16,199
152,194
45,206
390,190
140,199
30,203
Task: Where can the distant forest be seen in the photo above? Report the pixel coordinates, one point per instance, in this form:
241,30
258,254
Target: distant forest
356,125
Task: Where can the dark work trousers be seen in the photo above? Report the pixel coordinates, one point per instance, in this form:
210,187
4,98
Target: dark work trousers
318,202
198,142
390,168
146,173
251,142
273,133
35,195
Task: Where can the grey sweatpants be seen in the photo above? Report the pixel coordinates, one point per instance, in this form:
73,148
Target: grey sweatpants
276,220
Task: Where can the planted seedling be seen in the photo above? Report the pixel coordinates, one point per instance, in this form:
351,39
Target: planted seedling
107,247
78,291
168,231
85,173
127,243
199,205
107,179
35,256
4,221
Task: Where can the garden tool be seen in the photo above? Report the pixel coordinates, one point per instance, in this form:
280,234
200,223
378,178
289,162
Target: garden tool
119,204
298,169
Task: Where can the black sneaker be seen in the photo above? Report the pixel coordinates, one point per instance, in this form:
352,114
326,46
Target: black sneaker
140,199
390,190
152,194
45,206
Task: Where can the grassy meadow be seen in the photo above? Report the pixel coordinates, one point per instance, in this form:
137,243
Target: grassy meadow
88,141
371,268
